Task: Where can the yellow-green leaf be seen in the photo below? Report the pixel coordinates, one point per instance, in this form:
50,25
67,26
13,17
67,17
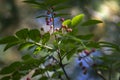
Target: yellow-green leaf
67,22
77,19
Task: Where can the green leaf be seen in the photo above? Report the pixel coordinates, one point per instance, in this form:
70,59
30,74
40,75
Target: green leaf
67,22
32,2
6,78
43,78
9,45
39,71
8,39
30,63
31,47
59,8
11,68
45,38
25,45
85,37
77,19
56,75
16,75
41,16
92,44
37,4
26,57
45,4
91,22
37,50
41,6
16,65
54,2
34,34
52,67
71,53
61,14
22,34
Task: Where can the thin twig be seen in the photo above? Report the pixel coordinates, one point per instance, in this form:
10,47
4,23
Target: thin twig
110,72
61,65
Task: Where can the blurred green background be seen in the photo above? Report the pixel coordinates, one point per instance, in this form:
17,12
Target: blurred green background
14,15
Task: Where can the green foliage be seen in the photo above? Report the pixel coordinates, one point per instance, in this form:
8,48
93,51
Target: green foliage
77,19
25,45
67,22
9,69
22,34
74,22
118,24
8,39
6,78
45,38
91,22
34,34
17,69
59,45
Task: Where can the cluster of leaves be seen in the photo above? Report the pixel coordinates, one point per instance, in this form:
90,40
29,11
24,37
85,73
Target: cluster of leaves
18,69
26,38
47,4
64,45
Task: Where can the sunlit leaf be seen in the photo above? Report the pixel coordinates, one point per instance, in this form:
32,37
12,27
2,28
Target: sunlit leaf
37,50
77,19
67,22
91,22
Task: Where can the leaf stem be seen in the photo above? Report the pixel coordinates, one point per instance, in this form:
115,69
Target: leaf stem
42,45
